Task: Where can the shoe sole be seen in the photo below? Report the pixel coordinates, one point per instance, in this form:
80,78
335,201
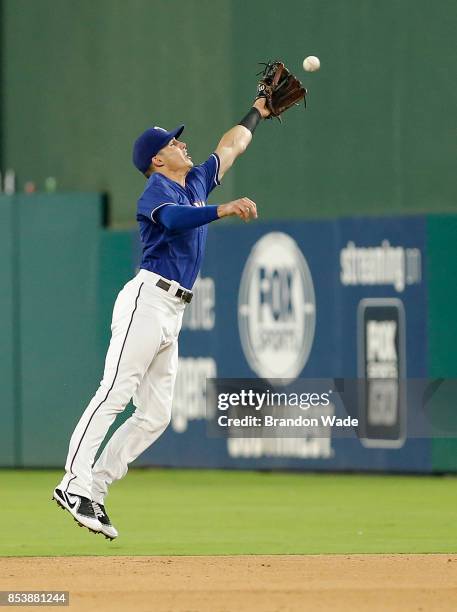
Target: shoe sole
62,507
108,537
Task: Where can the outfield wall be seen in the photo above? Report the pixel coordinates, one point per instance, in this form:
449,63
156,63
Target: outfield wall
231,333
50,296
408,262
442,327
8,329
61,270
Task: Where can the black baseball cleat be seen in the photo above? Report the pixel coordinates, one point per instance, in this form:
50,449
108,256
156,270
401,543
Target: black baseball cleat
80,508
107,529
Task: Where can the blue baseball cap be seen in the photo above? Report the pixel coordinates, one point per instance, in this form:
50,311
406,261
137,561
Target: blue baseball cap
149,144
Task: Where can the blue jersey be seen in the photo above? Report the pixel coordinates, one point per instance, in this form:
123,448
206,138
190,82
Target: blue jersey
175,255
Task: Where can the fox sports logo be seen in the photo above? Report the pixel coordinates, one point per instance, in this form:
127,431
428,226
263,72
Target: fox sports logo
276,308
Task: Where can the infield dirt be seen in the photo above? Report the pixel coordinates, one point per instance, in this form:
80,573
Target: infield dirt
242,583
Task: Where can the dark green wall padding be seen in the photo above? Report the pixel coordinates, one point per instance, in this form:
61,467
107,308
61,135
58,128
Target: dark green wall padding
60,272
378,135
8,353
442,275
49,305
58,288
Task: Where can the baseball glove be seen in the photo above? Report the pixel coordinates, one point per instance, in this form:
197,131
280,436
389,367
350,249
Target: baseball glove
280,88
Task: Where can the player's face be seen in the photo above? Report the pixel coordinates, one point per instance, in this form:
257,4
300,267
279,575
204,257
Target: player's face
175,157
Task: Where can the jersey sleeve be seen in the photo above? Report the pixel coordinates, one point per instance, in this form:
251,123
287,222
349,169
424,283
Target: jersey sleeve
152,199
206,174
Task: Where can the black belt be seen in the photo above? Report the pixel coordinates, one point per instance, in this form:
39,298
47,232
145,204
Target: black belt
183,294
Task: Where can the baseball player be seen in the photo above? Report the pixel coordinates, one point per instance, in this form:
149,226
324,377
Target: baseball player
142,357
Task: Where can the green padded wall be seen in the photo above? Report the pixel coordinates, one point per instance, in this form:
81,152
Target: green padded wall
60,272
9,416
442,275
58,325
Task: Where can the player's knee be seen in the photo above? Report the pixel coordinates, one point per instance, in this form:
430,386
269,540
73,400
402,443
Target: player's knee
152,422
165,419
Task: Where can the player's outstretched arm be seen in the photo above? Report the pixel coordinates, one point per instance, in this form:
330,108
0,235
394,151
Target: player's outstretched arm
235,142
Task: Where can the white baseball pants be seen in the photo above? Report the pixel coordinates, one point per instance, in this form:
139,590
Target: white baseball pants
141,362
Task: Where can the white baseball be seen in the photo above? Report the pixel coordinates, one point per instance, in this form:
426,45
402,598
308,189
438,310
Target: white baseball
311,63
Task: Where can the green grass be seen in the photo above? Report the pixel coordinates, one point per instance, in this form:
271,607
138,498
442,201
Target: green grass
190,512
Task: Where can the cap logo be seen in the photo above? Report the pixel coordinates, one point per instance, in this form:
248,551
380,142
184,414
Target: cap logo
156,127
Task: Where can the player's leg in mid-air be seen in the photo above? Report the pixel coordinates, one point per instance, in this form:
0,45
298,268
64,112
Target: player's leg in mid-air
137,335
153,401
